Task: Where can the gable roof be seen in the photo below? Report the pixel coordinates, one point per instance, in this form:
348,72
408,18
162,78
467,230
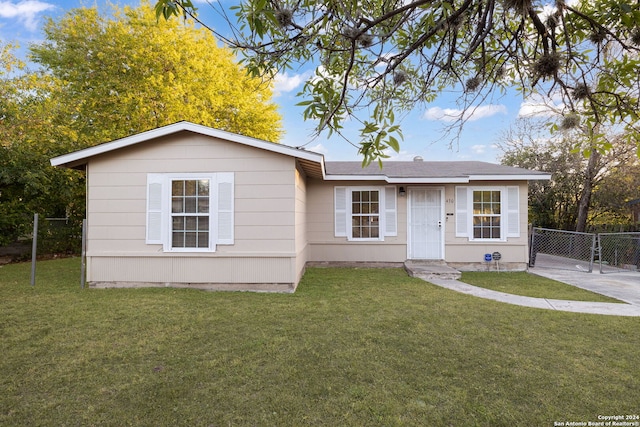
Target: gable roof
314,165
433,172
310,161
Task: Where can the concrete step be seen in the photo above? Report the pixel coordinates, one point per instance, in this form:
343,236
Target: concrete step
431,270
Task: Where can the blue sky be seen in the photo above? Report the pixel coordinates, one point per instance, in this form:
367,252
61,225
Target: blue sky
21,21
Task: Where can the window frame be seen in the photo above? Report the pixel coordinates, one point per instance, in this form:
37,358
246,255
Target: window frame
387,211
500,216
209,215
509,212
351,214
159,223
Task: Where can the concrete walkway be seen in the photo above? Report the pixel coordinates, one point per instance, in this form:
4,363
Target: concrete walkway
612,309
623,286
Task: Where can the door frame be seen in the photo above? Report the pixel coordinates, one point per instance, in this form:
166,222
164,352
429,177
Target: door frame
442,218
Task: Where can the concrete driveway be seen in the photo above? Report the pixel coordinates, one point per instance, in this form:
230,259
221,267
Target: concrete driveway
622,285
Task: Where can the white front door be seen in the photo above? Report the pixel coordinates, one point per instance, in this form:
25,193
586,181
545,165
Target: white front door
426,226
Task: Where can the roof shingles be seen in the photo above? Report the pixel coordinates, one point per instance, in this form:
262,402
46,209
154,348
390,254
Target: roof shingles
429,169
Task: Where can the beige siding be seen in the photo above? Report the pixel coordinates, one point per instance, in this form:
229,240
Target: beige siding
250,273
301,224
325,247
462,252
266,200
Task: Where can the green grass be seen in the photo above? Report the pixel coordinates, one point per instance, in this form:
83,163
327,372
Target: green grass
531,285
350,347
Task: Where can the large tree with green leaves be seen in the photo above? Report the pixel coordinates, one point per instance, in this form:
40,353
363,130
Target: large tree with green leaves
106,76
583,190
378,58
127,73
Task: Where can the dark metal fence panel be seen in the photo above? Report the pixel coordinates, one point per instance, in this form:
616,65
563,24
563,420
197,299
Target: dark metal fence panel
619,252
567,250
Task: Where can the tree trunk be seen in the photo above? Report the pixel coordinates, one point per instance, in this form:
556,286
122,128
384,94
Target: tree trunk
593,167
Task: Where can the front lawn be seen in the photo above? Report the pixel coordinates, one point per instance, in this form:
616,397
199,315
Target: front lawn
350,347
531,285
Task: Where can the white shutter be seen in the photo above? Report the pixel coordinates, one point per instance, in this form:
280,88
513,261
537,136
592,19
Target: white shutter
225,208
340,211
462,212
155,195
513,212
390,212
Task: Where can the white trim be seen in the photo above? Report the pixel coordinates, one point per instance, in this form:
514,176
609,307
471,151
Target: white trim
342,211
509,211
78,157
461,203
388,180
523,177
221,211
213,212
434,180
504,216
381,214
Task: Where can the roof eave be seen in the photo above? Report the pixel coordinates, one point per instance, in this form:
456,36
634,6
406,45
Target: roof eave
438,180
397,180
522,177
79,158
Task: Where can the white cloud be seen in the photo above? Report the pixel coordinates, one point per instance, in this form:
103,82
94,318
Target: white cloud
286,83
538,106
471,114
25,11
478,149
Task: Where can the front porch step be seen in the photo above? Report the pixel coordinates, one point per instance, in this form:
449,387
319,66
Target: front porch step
426,270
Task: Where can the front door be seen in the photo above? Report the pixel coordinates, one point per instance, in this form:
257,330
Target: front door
426,225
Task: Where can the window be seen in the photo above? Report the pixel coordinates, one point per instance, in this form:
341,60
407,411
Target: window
190,215
487,213
190,212
365,213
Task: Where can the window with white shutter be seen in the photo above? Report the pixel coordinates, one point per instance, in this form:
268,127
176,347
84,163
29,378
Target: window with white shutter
365,213
487,213
513,212
462,217
190,212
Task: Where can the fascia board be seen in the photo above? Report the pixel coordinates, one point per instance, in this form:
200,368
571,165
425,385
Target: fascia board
396,180
78,157
537,177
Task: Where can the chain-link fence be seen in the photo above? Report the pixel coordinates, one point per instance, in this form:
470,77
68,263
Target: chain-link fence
55,237
50,238
567,250
619,251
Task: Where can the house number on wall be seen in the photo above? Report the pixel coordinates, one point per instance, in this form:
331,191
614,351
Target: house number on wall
449,200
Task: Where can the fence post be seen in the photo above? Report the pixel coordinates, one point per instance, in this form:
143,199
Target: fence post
532,253
34,249
83,254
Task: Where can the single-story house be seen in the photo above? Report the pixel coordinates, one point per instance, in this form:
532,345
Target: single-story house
188,205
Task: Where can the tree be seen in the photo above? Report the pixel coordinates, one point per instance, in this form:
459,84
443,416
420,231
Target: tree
129,73
378,58
103,78
582,188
